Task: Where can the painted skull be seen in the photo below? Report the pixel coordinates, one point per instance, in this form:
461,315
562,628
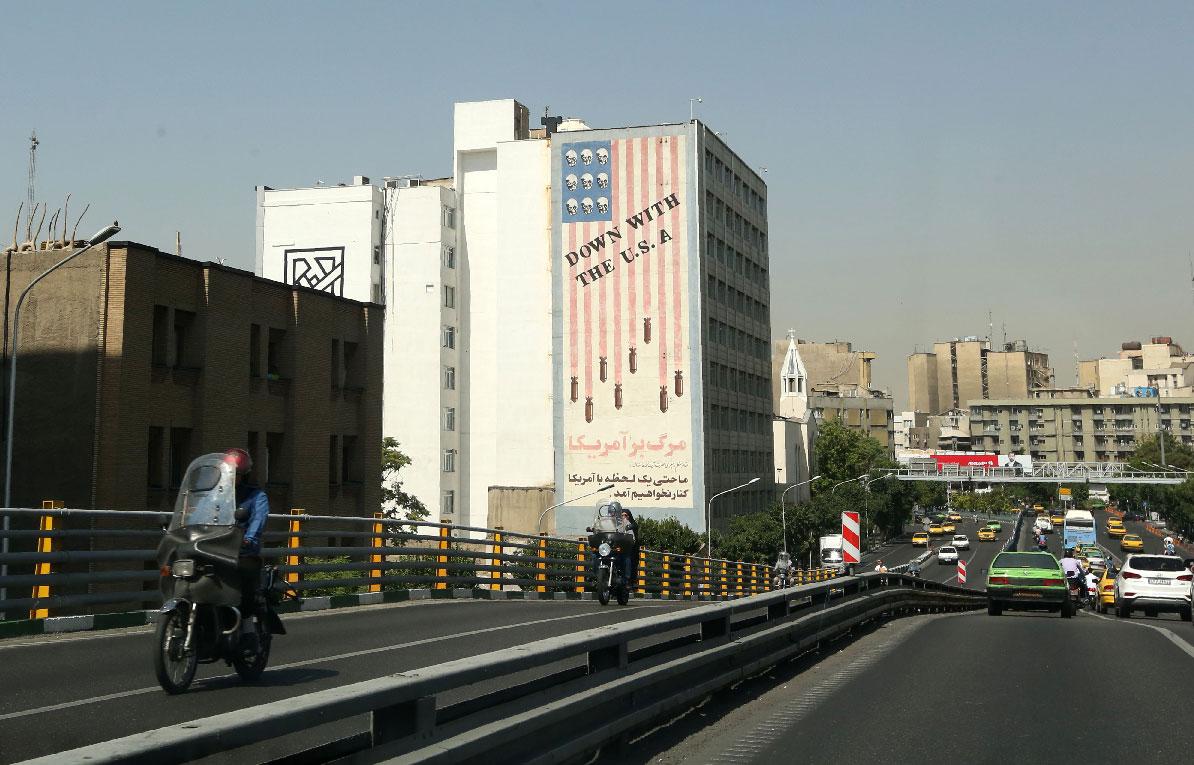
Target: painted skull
602,181
570,158
603,156
586,180
571,204
570,181
586,156
602,205
587,204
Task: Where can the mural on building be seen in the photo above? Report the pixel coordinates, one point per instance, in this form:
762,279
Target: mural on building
319,268
624,273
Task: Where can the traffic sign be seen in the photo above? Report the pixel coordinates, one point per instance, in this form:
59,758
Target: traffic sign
961,571
850,537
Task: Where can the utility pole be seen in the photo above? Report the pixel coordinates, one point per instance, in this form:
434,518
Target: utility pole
33,142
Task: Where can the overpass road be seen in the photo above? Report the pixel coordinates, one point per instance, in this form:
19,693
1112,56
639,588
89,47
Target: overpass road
62,692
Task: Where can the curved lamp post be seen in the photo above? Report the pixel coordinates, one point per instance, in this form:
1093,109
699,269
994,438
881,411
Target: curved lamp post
783,509
709,516
607,487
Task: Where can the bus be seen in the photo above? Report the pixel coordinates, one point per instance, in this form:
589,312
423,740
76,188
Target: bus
1079,529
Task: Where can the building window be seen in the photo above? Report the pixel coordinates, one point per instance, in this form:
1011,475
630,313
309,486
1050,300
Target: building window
180,454
449,217
449,378
377,293
275,460
187,352
449,461
448,503
350,464
255,351
376,255
161,335
275,366
449,418
334,460
449,253
449,296
449,337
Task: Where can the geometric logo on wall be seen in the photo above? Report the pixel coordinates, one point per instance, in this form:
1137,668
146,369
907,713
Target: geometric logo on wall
320,268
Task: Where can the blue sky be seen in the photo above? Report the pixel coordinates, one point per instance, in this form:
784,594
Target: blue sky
927,162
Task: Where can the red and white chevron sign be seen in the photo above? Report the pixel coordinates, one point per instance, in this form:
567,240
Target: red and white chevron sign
961,571
850,538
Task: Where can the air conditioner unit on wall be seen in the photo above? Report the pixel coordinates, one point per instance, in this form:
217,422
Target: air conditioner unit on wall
403,183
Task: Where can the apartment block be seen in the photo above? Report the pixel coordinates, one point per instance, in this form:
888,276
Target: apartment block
133,362
968,369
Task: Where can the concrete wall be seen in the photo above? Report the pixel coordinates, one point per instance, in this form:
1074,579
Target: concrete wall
923,393
517,508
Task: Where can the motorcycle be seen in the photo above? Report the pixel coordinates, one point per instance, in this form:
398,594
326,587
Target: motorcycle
608,546
1077,588
200,620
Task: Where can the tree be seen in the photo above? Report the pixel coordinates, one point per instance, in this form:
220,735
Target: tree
393,499
843,454
668,535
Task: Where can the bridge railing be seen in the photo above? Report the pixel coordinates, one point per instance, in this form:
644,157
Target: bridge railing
65,561
556,699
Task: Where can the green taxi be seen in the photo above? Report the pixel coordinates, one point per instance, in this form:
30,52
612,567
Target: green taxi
1027,581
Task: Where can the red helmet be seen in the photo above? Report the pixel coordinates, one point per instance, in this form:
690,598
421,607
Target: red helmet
240,458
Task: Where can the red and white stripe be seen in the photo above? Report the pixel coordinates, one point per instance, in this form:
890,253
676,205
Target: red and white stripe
850,537
961,571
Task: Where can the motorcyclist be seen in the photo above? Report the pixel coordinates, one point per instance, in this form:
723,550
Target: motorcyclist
249,497
783,569
1072,568
1170,548
626,524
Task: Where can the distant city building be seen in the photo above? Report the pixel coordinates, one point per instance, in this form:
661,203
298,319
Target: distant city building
134,362
959,371
839,385
910,430
1159,368
1072,425
639,316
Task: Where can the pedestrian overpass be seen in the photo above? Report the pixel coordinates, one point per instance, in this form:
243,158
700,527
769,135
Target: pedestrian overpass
1041,472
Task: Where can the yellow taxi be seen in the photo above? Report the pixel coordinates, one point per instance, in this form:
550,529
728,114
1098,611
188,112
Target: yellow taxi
920,539
1131,543
1115,528
948,527
1057,519
986,535
936,530
1106,599
954,516
1038,508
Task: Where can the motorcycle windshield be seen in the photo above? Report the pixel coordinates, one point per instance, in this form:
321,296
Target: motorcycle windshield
208,494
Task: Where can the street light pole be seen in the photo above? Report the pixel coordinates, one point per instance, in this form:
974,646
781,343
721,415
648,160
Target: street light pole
692,102
709,516
783,508
105,234
607,487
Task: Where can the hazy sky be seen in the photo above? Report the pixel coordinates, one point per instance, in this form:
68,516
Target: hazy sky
927,162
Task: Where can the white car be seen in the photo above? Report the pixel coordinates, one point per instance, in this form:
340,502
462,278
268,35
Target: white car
961,541
1095,560
1043,525
947,554
1152,583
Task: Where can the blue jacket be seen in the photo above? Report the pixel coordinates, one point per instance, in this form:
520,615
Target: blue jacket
253,499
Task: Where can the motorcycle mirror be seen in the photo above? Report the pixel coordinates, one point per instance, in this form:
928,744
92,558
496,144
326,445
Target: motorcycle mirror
241,514
589,529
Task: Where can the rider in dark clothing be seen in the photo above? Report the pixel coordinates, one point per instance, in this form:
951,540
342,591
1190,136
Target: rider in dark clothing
627,525
249,497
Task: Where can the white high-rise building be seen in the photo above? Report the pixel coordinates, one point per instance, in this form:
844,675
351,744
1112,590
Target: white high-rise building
597,313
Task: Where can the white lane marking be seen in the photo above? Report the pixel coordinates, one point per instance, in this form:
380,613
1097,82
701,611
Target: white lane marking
1189,649
308,662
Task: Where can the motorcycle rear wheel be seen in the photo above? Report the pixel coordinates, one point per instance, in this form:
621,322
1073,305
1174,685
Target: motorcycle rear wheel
174,669
249,663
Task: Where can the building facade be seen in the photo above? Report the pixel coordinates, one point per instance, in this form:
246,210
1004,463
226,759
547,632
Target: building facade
661,323
1159,368
134,362
794,429
1072,425
968,369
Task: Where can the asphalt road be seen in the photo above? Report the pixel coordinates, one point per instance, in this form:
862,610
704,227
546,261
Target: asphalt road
62,692
978,558
1023,687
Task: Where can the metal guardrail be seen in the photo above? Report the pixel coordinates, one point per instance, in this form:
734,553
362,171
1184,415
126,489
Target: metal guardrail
556,698
71,561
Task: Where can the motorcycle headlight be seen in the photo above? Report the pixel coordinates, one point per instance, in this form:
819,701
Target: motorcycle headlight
183,568
603,549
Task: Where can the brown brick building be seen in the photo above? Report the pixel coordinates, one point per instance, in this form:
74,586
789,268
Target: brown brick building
132,362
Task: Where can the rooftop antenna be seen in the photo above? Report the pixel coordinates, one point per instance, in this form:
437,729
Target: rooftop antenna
990,328
1004,325
1076,361
33,142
